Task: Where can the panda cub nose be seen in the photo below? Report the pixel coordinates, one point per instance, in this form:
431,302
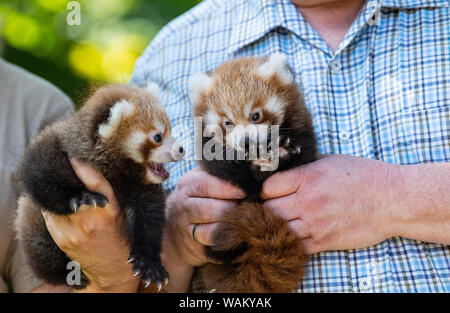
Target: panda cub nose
177,151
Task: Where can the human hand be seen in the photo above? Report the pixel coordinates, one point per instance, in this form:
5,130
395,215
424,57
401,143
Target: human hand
94,237
199,198
337,202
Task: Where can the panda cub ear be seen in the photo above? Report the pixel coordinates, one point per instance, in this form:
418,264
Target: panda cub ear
118,112
276,65
153,89
199,83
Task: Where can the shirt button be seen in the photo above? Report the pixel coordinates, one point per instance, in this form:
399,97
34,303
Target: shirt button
344,135
336,66
365,284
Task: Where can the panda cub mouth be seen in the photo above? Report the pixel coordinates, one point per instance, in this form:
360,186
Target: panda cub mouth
158,169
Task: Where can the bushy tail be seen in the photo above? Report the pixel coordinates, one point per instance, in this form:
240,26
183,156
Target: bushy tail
273,262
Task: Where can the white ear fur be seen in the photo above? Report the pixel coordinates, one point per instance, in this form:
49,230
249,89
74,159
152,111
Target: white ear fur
276,65
199,83
118,111
154,90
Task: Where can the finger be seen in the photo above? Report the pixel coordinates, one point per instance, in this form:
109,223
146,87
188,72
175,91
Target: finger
203,233
206,210
300,228
61,228
285,207
95,181
199,184
89,220
281,184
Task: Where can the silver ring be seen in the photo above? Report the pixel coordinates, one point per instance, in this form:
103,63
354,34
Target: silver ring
193,233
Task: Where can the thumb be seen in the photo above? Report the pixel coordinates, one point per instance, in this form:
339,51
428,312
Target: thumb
96,182
282,184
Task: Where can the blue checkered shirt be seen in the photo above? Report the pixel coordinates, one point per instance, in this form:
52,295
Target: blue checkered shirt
383,94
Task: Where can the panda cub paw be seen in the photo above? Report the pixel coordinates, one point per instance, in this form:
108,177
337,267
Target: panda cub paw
150,269
288,147
88,198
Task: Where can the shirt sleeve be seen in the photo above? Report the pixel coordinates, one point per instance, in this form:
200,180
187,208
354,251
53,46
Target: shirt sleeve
53,106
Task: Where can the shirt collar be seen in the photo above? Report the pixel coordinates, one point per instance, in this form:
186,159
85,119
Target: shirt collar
263,16
253,22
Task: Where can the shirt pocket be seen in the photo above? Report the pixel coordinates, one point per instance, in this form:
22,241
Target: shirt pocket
394,95
415,135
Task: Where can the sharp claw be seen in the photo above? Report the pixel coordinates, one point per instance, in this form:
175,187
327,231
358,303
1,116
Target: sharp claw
95,204
299,150
159,285
288,141
147,283
130,260
166,281
136,274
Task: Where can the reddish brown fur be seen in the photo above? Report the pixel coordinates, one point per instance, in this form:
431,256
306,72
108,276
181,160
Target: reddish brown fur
81,140
275,259
262,268
237,82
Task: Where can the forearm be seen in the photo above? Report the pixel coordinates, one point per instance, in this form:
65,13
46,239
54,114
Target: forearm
421,208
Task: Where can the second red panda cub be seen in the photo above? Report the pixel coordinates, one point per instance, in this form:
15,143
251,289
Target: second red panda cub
254,250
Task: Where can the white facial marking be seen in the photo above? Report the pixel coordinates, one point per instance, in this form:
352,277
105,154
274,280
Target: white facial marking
154,90
119,111
150,177
248,109
133,143
275,106
159,127
165,153
228,113
212,118
276,65
199,83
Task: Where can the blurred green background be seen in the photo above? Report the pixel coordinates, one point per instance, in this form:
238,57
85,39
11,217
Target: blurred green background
35,35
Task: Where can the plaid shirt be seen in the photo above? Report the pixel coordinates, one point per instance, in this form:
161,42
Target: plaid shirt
383,94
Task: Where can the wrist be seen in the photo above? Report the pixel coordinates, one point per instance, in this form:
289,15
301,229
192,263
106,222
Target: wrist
390,190
180,271
402,202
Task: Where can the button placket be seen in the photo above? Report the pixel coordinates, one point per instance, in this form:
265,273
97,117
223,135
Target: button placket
335,66
365,284
344,136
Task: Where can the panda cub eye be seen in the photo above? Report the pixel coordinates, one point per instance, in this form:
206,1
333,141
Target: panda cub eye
256,116
228,123
157,138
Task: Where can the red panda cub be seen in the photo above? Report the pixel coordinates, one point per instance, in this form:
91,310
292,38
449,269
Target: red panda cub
253,250
123,132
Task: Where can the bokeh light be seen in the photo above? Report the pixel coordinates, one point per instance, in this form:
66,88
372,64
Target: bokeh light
104,48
